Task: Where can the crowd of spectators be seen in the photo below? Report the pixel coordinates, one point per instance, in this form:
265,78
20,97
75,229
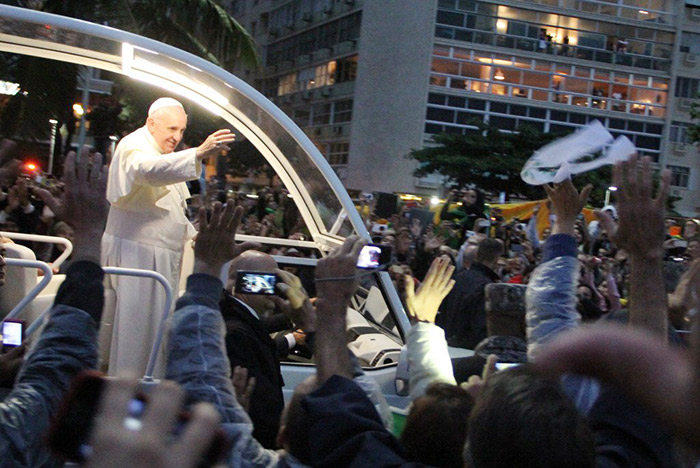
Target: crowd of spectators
599,318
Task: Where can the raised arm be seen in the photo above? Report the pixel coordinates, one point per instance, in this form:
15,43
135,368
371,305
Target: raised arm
641,232
551,292
336,282
685,296
196,351
428,357
68,344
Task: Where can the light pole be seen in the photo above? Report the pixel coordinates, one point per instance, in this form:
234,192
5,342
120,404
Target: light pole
612,188
52,145
85,77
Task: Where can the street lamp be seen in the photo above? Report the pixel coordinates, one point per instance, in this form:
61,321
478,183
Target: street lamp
610,189
52,145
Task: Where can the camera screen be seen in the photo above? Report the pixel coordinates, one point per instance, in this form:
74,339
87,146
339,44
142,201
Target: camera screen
256,283
506,365
12,333
370,257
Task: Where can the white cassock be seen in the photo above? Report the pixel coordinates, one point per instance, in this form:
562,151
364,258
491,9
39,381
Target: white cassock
146,229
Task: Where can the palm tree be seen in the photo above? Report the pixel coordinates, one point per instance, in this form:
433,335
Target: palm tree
201,27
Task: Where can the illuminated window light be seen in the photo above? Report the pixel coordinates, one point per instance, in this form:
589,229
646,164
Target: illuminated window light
643,12
495,61
9,88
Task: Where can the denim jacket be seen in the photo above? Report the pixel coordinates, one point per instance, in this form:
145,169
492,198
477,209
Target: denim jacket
551,310
67,346
197,361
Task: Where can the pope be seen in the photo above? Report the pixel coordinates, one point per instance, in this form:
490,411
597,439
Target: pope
147,225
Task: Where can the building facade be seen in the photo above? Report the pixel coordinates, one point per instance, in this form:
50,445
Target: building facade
369,80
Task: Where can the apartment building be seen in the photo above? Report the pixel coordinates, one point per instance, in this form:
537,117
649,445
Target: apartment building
369,80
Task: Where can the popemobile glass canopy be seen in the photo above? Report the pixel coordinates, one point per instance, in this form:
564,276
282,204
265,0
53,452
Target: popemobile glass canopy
324,204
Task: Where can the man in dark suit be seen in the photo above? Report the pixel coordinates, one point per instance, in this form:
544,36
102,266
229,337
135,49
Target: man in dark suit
249,321
462,314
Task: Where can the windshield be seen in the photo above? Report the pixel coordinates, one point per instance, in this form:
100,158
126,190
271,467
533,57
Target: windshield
322,201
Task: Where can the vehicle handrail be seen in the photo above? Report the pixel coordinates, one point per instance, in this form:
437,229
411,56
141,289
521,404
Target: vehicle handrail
277,241
46,239
48,274
148,376
138,273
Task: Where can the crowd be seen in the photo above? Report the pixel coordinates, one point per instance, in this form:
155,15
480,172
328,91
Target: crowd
595,315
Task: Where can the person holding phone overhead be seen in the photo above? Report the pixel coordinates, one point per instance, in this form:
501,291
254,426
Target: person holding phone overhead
147,226
250,318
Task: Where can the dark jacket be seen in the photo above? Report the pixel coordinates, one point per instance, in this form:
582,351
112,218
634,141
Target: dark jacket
249,345
462,313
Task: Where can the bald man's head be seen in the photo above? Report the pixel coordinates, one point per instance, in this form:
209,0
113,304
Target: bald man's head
252,260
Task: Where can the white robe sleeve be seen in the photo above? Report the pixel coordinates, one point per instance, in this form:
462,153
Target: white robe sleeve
136,162
167,169
428,358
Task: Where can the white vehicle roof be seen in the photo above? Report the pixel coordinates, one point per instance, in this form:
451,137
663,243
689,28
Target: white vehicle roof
324,204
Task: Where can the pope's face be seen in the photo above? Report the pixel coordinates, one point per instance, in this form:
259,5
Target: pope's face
167,126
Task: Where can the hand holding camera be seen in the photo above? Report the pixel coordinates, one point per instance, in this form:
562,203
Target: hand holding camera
297,307
135,431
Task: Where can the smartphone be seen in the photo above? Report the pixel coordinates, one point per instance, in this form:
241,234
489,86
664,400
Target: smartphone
373,256
255,282
70,430
12,333
506,365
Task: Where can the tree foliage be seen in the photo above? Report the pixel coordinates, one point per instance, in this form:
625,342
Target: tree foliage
694,130
201,27
492,160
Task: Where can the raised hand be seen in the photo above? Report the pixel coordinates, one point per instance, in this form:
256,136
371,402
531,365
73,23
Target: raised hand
423,305
12,199
641,229
336,274
297,307
567,204
9,167
216,239
336,281
476,383
686,295
216,142
433,242
152,446
84,204
416,227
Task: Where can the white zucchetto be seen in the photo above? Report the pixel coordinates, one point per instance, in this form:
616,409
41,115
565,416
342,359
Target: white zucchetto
162,103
